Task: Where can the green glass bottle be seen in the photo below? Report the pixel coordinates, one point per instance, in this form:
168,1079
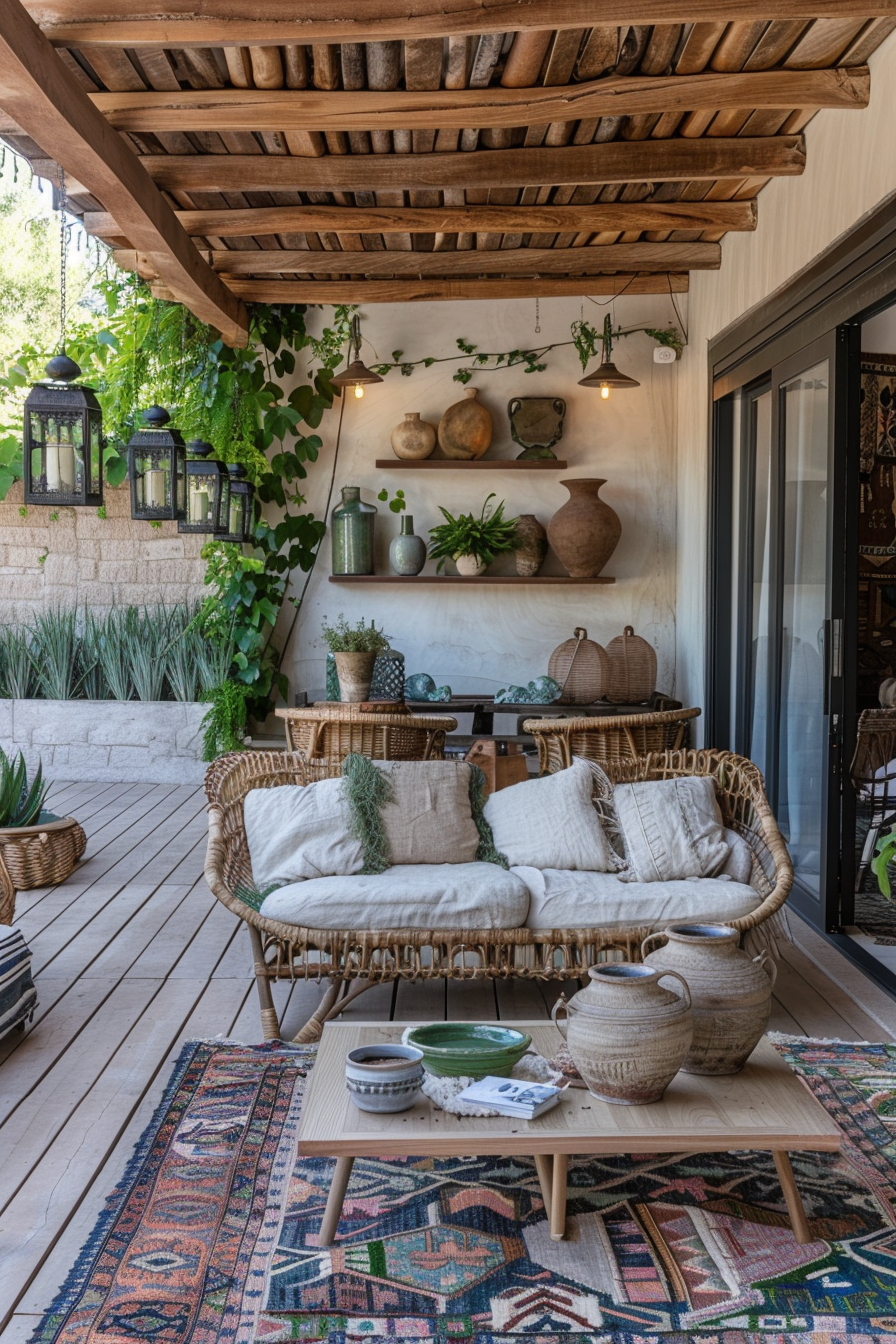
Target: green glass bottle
352,524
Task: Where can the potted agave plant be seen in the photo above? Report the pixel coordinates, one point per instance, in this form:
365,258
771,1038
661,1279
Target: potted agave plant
471,542
37,848
354,648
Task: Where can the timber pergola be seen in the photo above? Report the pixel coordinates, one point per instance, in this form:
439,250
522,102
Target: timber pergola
408,150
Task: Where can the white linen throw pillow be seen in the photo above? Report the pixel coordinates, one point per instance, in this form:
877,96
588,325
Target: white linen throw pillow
551,823
672,829
297,832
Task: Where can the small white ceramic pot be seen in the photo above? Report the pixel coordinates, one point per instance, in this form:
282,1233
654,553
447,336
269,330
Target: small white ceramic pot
384,1077
470,565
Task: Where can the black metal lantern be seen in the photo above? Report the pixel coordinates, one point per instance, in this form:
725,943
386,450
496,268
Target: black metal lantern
241,511
157,459
63,440
208,491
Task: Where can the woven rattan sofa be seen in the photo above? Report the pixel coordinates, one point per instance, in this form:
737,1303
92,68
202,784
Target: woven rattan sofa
355,959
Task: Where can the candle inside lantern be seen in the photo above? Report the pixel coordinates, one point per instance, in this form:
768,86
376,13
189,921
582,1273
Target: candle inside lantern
198,506
59,463
154,489
236,516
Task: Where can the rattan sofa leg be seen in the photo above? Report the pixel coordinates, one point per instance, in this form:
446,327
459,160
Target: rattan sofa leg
314,1026
270,1022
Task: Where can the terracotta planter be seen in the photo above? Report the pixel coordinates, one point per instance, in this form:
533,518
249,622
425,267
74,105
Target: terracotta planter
355,672
627,1034
533,546
731,992
585,531
413,438
470,566
465,430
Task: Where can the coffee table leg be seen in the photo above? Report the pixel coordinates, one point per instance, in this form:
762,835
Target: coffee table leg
545,1177
798,1222
558,1198
333,1211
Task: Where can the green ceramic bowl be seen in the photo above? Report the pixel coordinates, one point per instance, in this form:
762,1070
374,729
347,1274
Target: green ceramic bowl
469,1049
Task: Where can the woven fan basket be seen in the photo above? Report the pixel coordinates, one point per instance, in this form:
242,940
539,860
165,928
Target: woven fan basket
581,667
41,856
632,664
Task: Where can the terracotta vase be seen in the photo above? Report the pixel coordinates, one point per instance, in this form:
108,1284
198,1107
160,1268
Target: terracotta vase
532,546
465,430
731,992
627,1033
585,531
355,672
413,438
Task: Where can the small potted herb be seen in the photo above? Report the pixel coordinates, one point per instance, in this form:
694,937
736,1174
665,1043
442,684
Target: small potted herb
473,542
354,649
882,863
37,848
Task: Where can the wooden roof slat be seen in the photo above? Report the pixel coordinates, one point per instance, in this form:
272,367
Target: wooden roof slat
429,290
824,42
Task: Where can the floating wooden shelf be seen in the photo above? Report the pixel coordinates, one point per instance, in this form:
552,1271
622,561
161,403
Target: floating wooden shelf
479,464
477,581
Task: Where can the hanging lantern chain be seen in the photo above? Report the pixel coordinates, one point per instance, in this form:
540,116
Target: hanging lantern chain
62,260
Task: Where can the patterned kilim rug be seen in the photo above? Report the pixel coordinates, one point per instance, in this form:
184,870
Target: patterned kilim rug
212,1234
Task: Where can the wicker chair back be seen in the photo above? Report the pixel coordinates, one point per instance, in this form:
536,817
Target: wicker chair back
609,739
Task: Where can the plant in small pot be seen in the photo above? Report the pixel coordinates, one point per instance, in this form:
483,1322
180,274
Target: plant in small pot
883,865
473,542
37,848
355,649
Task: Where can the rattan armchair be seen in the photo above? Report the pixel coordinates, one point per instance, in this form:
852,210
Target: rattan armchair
609,738
355,959
329,733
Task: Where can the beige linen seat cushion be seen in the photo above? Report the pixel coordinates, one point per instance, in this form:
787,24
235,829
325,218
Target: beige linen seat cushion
406,896
564,898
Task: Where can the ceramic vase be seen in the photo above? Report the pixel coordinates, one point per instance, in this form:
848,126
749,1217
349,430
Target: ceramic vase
351,524
465,430
627,1034
355,672
731,992
384,1078
584,532
407,552
470,566
532,546
413,438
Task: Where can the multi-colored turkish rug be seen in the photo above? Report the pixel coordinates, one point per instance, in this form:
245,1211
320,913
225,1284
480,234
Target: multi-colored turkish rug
211,1237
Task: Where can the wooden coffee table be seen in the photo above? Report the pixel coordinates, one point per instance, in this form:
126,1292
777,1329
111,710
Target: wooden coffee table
764,1107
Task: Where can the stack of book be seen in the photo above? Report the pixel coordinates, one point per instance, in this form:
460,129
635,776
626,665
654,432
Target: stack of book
510,1096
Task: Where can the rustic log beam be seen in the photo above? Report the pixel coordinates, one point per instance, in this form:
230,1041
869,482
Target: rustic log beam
621,161
46,100
519,260
616,218
309,110
208,23
424,291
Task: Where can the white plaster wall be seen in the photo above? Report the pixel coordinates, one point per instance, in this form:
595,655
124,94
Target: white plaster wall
851,167
483,639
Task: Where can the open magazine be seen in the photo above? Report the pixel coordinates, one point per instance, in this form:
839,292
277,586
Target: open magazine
511,1096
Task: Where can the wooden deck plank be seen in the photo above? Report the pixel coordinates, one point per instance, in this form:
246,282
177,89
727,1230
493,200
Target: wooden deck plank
809,1007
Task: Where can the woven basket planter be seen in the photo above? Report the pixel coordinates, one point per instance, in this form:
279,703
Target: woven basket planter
41,856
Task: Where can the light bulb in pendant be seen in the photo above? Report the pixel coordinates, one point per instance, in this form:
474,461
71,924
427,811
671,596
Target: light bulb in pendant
359,391
605,392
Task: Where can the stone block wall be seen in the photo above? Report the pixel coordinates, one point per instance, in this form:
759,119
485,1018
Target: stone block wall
153,742
81,559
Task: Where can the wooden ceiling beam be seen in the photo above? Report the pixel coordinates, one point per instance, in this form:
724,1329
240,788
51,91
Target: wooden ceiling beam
620,161
248,23
306,110
727,215
43,96
426,291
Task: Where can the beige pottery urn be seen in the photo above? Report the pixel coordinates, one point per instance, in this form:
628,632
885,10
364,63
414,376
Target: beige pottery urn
355,673
627,1034
413,438
465,430
584,531
731,992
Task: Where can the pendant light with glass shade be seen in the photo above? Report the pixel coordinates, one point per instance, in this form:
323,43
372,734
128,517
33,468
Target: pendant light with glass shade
208,491
606,376
63,432
356,373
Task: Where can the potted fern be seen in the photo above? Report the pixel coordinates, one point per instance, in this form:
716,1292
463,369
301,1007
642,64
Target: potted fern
37,848
473,542
354,649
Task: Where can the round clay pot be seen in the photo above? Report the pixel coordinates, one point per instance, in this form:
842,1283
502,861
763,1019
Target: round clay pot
627,1034
384,1078
465,430
585,531
532,545
470,566
355,672
731,992
407,552
413,438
